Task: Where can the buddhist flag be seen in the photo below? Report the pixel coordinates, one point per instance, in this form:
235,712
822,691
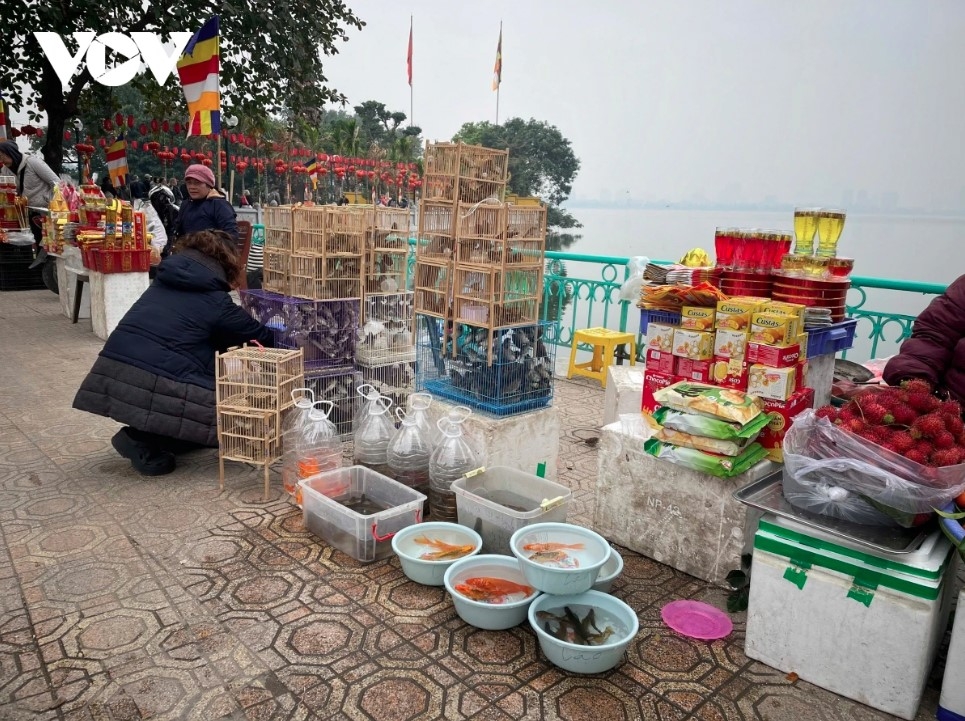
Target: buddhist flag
117,161
3,119
498,68
198,70
408,58
311,168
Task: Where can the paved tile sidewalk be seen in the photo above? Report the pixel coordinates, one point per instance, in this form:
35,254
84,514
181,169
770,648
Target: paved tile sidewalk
123,597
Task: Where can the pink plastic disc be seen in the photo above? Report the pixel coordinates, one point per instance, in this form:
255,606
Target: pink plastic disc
697,620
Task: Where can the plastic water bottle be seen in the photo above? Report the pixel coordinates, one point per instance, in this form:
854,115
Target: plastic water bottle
318,448
373,435
419,410
295,419
408,454
451,460
456,414
370,394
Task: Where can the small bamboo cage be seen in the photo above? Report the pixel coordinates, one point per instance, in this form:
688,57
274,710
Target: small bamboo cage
433,288
311,225
275,270
436,233
279,227
496,297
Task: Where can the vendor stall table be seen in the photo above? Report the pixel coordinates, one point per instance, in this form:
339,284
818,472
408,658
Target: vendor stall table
69,266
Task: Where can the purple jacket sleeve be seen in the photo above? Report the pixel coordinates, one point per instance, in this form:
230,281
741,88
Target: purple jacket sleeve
928,352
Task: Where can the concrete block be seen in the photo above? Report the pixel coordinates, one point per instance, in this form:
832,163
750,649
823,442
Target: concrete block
520,442
820,377
679,517
111,296
624,392
68,264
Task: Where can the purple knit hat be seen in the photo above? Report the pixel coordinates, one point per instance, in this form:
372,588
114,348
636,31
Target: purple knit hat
201,173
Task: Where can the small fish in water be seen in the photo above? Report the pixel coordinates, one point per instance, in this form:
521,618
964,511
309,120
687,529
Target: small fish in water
552,546
560,559
443,550
491,590
572,629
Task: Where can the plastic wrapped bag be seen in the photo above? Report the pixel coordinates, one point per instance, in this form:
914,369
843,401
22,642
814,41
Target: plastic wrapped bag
832,501
630,290
710,463
818,452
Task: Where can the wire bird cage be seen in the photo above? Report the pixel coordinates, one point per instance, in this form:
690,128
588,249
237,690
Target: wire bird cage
499,372
495,234
386,333
279,227
275,269
311,224
387,252
339,387
253,387
482,163
395,379
325,330
325,278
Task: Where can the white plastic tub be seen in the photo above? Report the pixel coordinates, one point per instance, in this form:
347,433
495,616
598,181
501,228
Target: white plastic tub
365,536
430,572
498,501
490,616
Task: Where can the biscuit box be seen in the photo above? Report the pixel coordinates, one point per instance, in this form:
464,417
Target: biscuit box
730,373
777,384
695,370
773,329
661,361
693,317
792,310
660,336
735,314
693,344
653,382
730,343
782,413
802,340
772,355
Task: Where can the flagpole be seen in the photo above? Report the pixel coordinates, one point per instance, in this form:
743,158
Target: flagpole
411,110
217,159
497,105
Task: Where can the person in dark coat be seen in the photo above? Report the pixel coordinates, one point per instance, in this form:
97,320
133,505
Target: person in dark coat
156,373
204,208
936,349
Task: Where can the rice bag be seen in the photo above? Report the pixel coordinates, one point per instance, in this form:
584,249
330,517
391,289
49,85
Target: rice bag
711,445
709,427
709,463
699,398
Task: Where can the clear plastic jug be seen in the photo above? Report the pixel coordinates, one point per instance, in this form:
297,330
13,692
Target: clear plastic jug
373,435
370,394
451,460
419,410
409,452
295,419
456,414
318,447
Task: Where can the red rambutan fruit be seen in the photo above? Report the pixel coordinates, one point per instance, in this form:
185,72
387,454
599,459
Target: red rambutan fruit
944,440
902,441
916,456
945,457
954,425
923,402
874,413
904,414
829,412
930,425
917,385
952,408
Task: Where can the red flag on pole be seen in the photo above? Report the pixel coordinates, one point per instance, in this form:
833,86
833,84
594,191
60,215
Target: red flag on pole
408,60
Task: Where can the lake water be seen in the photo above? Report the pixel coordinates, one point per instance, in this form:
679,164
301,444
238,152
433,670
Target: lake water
928,249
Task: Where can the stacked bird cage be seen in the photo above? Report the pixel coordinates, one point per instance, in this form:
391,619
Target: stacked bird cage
327,260
253,389
279,237
385,352
387,251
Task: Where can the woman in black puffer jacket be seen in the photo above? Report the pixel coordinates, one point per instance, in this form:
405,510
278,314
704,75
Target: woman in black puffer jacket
156,373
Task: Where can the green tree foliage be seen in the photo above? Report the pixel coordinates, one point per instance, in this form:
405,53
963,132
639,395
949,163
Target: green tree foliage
284,73
541,163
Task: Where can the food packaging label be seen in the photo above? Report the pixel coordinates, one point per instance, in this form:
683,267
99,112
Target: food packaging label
697,317
694,344
730,343
777,384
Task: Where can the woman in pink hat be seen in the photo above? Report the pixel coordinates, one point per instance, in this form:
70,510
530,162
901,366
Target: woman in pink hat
204,208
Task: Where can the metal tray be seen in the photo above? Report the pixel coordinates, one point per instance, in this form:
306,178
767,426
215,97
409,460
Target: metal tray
767,494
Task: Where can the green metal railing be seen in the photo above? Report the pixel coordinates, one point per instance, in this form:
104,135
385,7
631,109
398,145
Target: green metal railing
590,302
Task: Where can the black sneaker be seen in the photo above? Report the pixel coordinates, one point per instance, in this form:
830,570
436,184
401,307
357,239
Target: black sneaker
143,458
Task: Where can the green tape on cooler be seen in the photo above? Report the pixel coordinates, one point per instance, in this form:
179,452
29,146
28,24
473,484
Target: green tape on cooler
868,577
865,558
797,576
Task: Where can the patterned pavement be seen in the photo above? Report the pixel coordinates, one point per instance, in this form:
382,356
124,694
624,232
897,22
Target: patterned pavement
123,597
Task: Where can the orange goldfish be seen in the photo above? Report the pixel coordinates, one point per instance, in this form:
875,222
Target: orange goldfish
444,550
490,589
541,547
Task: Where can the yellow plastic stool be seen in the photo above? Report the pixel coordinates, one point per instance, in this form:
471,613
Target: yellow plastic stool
604,342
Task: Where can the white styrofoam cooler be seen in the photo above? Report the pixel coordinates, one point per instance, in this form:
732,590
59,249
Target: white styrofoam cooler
951,706
862,625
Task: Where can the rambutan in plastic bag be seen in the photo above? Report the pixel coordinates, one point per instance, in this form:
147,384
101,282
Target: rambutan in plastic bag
832,472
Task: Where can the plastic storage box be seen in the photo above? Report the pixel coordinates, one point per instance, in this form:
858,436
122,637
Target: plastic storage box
951,706
647,317
358,511
859,624
497,501
832,339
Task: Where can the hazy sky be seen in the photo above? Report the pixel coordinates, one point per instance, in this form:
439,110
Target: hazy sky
741,99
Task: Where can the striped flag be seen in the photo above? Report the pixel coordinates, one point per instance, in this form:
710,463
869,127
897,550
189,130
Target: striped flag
3,119
117,161
198,70
311,167
498,68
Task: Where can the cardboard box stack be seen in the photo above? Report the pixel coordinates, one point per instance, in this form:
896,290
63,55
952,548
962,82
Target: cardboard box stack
747,344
